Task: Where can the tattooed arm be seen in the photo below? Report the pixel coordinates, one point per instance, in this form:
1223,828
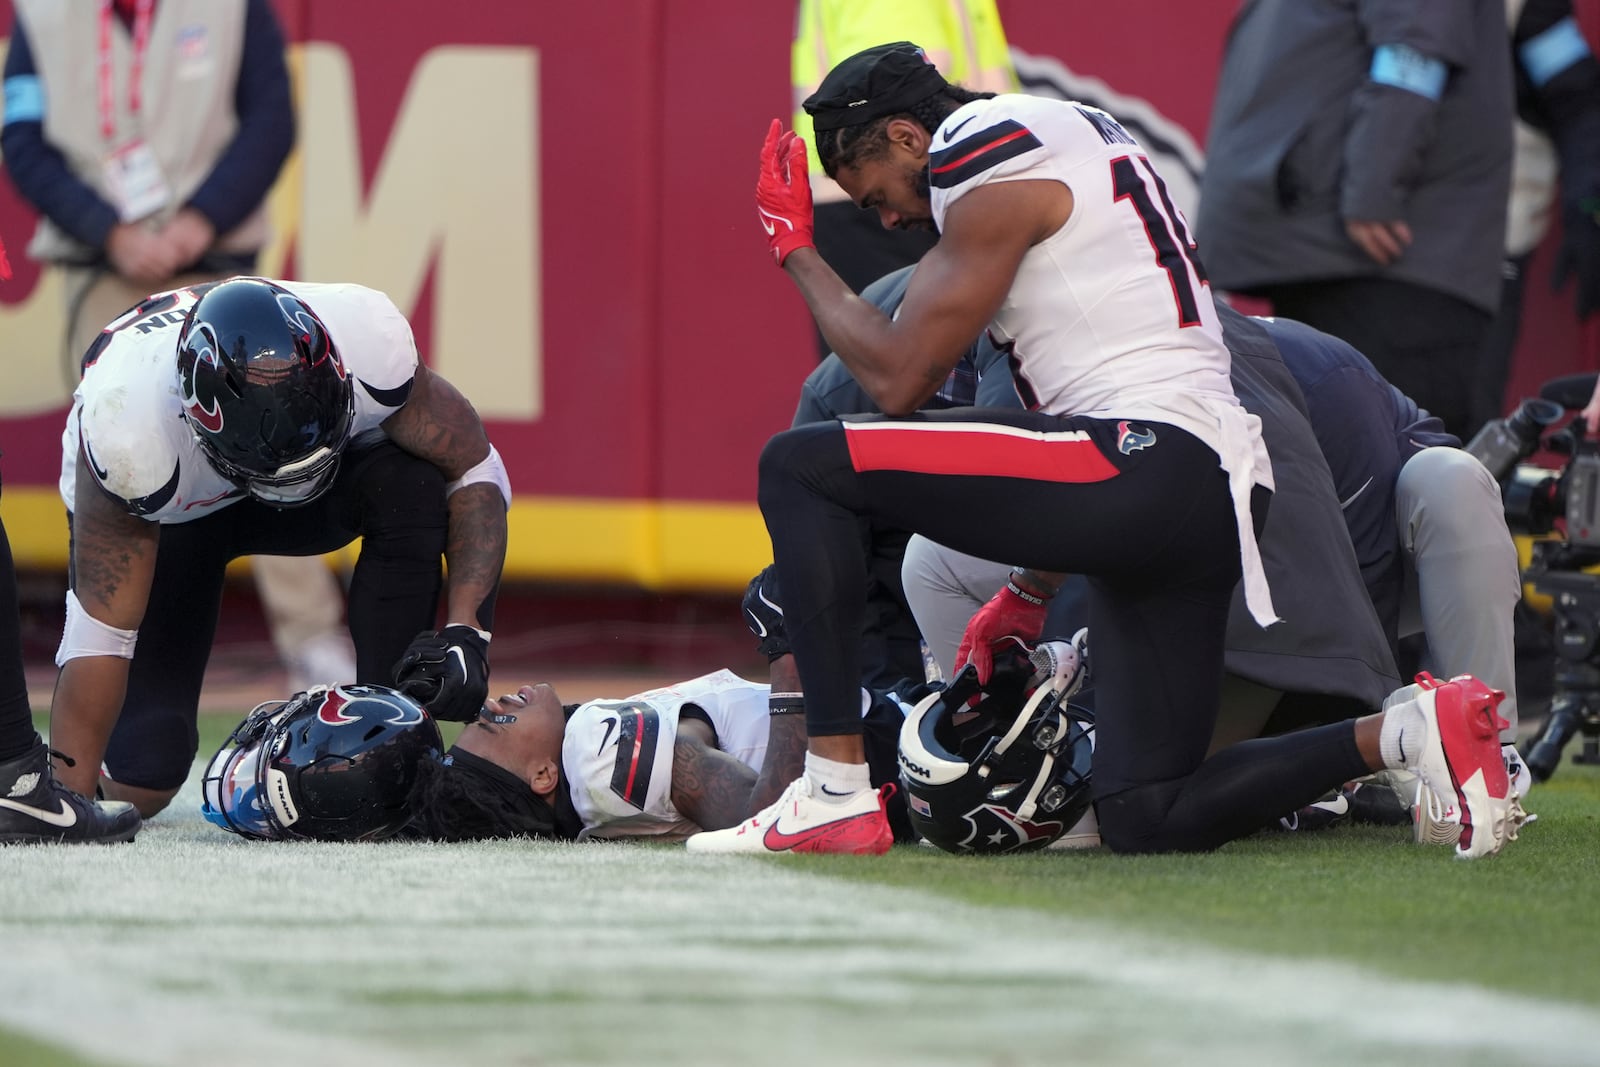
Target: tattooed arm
113,563
438,424
708,784
709,787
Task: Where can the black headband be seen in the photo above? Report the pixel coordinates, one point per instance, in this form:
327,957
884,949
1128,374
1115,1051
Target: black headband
885,80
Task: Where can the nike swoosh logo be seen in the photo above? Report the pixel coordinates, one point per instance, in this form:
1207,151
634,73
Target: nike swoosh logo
951,132
778,841
768,226
762,596
1346,502
611,724
63,818
756,624
99,471
461,660
832,793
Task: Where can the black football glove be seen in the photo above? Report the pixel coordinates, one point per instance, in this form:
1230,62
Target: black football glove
447,672
763,613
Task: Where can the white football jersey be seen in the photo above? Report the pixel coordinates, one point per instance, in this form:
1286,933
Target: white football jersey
128,412
617,754
1111,315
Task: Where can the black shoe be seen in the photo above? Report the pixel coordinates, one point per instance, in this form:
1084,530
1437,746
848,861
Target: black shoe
1375,803
1331,810
36,809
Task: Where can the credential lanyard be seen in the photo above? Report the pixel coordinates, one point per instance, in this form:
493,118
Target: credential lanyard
141,41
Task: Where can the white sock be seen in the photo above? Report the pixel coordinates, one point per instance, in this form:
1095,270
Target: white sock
835,781
1403,734
1404,693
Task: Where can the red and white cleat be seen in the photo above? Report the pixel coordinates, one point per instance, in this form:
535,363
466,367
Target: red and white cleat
1459,761
801,822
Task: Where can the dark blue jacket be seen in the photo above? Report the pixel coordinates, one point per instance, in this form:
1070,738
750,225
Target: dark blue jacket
1367,429
236,185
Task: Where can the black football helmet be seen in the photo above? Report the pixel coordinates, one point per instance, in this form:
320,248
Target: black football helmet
329,764
1009,773
264,390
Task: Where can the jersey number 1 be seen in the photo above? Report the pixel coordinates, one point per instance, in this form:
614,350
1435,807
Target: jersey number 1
1169,237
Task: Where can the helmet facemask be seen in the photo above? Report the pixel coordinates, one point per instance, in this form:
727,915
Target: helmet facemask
1009,773
236,788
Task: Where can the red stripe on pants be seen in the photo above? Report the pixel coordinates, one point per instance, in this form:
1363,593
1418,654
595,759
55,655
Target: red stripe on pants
976,449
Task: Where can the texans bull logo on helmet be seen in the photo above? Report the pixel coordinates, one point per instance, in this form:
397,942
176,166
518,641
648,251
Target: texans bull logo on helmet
199,390
996,829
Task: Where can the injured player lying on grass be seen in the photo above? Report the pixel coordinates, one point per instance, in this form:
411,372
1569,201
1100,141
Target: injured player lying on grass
365,763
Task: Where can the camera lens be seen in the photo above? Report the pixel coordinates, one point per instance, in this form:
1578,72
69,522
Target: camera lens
1503,442
1545,755
1531,417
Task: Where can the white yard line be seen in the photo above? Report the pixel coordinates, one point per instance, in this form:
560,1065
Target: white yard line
192,947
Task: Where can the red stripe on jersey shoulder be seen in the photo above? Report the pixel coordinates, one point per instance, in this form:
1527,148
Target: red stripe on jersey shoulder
983,150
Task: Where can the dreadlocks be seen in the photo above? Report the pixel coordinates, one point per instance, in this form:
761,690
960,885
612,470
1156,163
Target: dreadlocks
849,145
468,798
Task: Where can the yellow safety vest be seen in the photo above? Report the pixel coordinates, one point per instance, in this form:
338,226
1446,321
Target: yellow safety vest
962,37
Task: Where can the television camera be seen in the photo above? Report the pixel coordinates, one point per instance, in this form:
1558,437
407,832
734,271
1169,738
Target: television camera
1536,500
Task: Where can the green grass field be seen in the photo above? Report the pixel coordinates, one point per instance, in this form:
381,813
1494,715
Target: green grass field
191,946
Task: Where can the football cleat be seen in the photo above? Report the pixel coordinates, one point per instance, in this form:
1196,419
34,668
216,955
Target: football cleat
1517,770
1330,810
1457,757
1429,824
36,809
1382,798
800,822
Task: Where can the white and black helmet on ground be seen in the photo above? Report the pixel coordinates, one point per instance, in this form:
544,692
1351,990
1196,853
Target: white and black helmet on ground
334,763
1010,772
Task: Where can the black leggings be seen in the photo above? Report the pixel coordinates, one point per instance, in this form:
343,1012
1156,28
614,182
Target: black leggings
389,498
1142,510
17,734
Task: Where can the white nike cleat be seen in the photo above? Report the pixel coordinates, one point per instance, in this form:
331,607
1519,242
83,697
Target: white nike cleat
800,822
36,809
1457,757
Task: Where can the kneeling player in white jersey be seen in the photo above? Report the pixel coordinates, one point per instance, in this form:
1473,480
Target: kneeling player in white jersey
1135,466
258,417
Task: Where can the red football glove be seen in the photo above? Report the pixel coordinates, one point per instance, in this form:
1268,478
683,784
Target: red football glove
1007,614
783,193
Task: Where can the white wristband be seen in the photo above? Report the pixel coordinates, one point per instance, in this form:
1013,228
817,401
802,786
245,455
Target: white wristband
84,635
489,469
